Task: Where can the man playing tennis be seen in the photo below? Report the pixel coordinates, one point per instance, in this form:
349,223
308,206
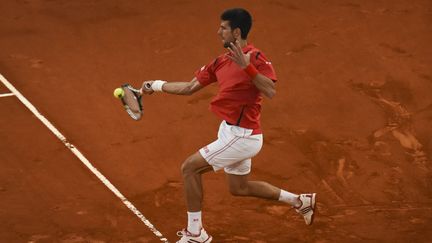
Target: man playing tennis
243,75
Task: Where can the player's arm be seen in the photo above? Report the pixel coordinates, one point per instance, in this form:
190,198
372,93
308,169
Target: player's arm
182,88
263,83
177,88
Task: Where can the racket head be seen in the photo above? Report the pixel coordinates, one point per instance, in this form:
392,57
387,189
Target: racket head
132,101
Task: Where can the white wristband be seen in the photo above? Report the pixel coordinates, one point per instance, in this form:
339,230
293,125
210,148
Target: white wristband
157,85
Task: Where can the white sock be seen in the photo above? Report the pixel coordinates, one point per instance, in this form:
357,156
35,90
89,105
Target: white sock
194,222
290,198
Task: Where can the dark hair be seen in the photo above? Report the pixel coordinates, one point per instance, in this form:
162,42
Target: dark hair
238,18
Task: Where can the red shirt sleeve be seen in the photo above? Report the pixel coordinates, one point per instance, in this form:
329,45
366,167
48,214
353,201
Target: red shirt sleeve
263,65
206,74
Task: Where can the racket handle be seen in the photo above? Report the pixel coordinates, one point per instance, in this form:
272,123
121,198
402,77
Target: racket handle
148,86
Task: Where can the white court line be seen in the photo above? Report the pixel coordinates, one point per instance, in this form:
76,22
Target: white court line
83,159
6,95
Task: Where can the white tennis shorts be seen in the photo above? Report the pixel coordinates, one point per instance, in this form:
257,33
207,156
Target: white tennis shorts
233,149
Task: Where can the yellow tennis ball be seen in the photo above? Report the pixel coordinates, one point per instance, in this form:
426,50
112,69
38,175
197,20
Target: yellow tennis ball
118,93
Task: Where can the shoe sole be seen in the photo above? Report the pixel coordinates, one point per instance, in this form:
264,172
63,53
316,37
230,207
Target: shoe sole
313,208
209,240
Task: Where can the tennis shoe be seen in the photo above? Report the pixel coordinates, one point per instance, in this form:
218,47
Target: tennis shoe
187,237
307,207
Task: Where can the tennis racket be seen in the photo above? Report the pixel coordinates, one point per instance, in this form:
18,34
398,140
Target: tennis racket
132,101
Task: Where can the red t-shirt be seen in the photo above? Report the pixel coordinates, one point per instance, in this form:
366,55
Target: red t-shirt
238,100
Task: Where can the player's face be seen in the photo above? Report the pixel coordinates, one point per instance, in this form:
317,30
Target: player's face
226,33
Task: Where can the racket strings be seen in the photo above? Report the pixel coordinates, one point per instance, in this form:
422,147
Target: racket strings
132,103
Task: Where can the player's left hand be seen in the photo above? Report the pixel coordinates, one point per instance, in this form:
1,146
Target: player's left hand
238,56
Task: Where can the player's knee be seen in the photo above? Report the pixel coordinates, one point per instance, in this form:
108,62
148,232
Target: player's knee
185,168
188,167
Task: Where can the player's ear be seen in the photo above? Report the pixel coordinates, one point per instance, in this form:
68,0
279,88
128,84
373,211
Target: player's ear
237,33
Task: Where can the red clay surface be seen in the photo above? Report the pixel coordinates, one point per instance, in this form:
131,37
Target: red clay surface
4,90
351,120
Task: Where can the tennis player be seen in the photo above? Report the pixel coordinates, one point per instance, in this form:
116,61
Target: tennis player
244,75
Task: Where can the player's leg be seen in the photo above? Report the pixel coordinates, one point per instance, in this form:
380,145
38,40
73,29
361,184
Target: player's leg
192,169
239,185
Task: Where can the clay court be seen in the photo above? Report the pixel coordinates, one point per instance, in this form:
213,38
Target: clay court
351,120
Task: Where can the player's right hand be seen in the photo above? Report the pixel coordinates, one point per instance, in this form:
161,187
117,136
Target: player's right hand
146,88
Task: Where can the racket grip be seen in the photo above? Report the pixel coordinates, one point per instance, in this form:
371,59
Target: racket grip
148,86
